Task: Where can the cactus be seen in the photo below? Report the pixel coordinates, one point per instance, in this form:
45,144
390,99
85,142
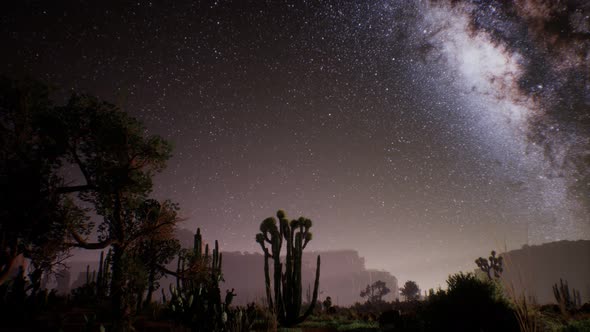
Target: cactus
567,301
492,264
229,296
103,275
287,300
97,283
196,299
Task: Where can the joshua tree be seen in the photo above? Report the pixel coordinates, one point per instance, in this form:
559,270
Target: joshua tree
410,291
375,292
492,264
287,282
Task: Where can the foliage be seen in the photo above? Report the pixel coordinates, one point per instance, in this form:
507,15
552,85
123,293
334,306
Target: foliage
156,248
469,304
493,266
111,151
338,322
19,304
117,161
410,291
375,292
397,320
577,326
287,300
327,304
33,210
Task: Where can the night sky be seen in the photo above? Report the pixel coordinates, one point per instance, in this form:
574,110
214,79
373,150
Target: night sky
421,135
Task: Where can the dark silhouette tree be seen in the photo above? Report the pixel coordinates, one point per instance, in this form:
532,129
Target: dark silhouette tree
375,292
156,249
34,212
287,282
410,291
493,266
117,161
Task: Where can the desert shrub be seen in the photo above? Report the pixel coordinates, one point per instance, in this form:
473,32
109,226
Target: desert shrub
577,326
85,295
375,308
469,304
398,320
390,320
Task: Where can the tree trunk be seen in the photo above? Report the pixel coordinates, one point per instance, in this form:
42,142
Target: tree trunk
150,290
117,290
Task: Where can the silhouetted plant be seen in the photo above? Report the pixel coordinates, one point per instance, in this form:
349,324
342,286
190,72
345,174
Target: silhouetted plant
287,300
34,210
493,266
157,248
103,277
375,292
567,301
116,161
410,291
327,304
469,304
96,286
241,319
196,300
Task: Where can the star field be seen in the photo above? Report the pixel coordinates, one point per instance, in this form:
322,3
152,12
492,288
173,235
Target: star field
405,130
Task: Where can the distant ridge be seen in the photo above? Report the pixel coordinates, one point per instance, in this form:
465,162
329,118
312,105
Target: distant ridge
343,274
536,268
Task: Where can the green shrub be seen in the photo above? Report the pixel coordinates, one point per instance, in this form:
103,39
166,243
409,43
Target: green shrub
577,326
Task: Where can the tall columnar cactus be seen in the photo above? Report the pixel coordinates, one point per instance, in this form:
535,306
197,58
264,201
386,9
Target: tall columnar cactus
566,300
103,275
492,264
196,299
287,287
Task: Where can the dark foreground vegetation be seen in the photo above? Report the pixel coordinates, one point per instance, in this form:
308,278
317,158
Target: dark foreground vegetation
79,175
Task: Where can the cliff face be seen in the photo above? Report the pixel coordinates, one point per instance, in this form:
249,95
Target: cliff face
536,268
342,276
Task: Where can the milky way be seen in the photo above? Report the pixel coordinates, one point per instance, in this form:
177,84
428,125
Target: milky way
421,134
498,64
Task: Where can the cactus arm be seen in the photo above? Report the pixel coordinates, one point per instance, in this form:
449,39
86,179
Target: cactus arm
316,285
267,281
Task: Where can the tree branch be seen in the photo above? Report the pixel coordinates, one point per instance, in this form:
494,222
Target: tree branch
170,272
81,243
72,189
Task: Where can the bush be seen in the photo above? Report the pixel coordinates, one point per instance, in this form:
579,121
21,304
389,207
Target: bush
469,304
577,326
